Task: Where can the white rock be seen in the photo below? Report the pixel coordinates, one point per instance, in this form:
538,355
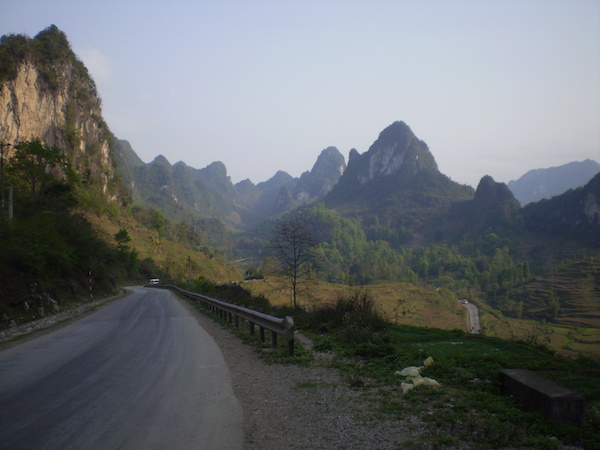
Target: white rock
406,387
411,371
430,382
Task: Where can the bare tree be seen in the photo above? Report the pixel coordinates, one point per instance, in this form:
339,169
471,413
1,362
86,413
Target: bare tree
294,248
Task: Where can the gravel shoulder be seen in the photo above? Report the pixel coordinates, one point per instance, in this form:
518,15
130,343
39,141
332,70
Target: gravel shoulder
301,407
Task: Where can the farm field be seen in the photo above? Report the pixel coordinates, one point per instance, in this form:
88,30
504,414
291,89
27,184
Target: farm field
407,304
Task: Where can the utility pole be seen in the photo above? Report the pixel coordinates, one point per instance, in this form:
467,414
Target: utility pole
189,261
11,203
91,288
2,173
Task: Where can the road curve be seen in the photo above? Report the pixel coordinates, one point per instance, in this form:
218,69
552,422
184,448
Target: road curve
473,313
139,373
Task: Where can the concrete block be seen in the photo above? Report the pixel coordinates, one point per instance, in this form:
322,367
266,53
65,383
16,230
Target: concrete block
536,393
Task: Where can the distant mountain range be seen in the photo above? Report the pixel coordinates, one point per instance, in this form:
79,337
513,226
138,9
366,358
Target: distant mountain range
393,189
538,184
397,174
184,193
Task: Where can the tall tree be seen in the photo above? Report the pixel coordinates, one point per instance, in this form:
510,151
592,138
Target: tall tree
294,248
36,165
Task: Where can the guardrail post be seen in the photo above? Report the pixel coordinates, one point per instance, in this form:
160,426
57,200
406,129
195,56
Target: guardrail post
230,313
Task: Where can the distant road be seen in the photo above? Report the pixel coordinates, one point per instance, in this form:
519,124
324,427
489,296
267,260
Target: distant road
473,313
138,374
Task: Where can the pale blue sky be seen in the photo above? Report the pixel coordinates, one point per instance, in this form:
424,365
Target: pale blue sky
494,87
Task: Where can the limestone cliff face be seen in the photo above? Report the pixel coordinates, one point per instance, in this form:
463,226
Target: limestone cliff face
396,151
320,180
58,104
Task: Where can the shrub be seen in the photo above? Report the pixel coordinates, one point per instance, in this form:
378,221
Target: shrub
355,321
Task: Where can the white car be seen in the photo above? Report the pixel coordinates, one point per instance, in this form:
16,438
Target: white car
154,281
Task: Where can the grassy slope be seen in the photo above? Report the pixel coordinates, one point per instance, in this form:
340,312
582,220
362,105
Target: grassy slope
169,256
468,410
429,307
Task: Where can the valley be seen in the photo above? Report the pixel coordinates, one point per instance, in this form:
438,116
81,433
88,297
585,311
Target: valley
386,219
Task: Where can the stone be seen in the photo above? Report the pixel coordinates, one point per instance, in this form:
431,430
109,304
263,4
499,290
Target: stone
536,393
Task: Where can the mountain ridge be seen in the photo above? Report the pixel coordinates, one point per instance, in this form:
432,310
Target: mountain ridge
544,183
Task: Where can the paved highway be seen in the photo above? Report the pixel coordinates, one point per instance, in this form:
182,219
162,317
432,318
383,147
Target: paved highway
473,312
139,373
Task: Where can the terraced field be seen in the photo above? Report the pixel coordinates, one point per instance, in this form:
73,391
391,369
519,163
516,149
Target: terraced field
569,296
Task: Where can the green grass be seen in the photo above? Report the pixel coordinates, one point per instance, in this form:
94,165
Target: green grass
469,406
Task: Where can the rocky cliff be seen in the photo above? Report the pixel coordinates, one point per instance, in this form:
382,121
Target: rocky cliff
395,183
47,93
397,153
312,185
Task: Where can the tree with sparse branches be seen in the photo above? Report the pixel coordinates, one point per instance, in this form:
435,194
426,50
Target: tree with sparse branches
293,248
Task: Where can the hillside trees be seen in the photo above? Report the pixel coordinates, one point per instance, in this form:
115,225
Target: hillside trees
486,267
49,247
49,49
36,166
340,242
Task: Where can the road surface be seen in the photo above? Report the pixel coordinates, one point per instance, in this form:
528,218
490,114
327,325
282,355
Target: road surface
139,373
473,313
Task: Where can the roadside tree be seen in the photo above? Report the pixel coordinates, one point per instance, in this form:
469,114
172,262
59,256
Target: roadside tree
294,250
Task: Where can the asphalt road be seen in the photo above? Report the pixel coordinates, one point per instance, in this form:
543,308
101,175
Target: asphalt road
473,312
139,373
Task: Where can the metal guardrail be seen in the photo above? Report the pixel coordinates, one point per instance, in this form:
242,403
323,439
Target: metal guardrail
233,313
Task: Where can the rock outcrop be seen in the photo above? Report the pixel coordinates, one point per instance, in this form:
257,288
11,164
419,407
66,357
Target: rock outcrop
50,95
324,175
396,151
396,183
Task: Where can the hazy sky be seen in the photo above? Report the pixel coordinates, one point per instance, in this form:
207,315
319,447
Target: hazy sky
494,87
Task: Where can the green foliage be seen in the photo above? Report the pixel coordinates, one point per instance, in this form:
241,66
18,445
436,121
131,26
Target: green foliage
50,50
49,249
189,235
53,250
469,405
13,50
122,237
232,293
353,322
35,165
339,242
487,266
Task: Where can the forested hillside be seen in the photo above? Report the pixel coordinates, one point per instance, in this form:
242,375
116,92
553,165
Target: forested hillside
68,228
